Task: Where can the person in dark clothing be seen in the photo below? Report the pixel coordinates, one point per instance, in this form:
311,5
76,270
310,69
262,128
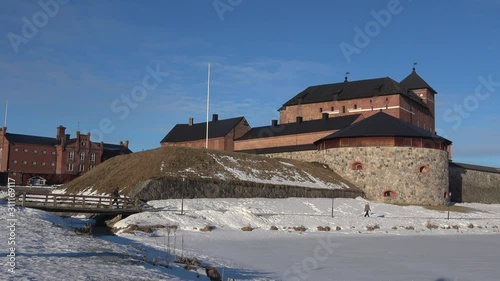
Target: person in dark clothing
116,195
367,210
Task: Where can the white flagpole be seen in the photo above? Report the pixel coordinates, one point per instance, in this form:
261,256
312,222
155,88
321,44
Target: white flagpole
208,104
5,119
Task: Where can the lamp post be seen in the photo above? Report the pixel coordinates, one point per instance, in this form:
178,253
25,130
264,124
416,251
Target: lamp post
449,203
182,195
332,202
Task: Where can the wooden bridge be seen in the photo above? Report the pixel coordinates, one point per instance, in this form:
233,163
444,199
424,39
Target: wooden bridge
79,203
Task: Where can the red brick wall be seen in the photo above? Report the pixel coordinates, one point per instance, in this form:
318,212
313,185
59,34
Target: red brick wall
84,146
394,105
280,141
364,106
214,143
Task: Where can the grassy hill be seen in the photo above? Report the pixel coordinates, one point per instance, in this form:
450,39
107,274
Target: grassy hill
172,164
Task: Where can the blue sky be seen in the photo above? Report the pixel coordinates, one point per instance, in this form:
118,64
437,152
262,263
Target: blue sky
87,64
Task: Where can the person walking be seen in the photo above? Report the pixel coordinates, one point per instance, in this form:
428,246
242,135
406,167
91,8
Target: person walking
116,195
367,210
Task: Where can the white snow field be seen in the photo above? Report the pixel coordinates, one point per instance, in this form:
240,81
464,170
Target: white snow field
47,249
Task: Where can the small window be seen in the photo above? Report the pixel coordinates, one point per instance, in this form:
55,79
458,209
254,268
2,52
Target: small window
25,150
81,168
343,109
53,153
357,166
390,193
355,106
70,167
14,161
33,163
424,169
332,108
44,152
92,157
82,143
71,155
16,149
82,156
52,164
35,151
321,109
43,163
25,162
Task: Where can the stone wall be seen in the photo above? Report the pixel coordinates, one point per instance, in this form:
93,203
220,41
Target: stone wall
406,175
468,185
169,188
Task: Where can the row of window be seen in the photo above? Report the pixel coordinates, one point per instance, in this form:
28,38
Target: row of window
358,166
33,163
81,168
34,151
355,107
82,156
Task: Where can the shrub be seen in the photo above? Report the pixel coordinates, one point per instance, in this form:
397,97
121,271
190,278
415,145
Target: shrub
431,226
86,230
300,228
471,226
188,261
338,228
372,228
273,227
480,227
395,227
323,228
455,226
247,228
410,227
207,228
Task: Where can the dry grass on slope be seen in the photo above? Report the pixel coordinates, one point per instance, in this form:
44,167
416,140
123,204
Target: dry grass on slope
127,171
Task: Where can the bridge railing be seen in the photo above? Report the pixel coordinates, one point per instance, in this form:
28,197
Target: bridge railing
75,201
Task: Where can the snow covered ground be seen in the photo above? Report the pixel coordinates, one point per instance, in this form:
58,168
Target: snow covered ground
465,247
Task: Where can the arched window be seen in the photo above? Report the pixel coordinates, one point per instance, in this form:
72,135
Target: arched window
390,193
358,166
424,169
355,106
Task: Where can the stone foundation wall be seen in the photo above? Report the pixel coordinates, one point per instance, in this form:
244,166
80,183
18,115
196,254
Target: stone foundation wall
406,175
467,185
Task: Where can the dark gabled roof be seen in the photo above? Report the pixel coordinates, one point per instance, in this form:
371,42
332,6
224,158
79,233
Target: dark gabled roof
383,125
347,90
116,147
475,167
414,81
311,126
216,129
17,138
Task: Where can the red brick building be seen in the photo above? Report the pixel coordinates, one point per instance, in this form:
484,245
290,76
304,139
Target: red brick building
56,159
221,133
316,112
411,100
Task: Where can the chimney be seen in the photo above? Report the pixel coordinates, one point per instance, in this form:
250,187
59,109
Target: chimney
61,131
324,115
126,144
274,122
3,130
121,143
299,119
215,117
191,120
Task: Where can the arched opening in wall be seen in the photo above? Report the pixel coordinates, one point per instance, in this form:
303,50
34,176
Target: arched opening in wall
358,166
390,193
446,194
424,169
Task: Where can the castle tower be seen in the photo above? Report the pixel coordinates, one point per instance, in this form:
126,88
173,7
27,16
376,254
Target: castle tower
415,83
